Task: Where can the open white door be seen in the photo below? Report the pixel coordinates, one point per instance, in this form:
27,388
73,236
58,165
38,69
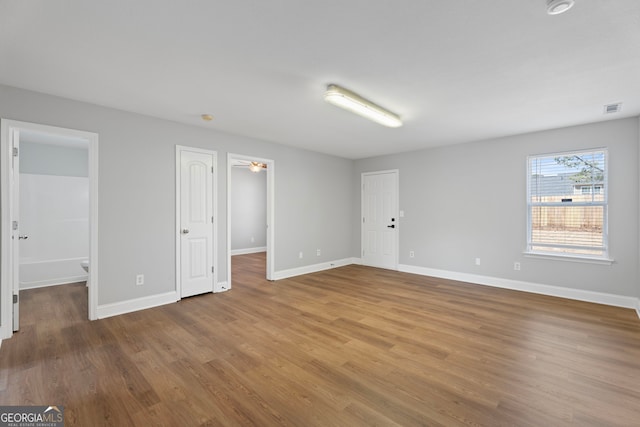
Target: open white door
196,226
10,134
380,219
15,226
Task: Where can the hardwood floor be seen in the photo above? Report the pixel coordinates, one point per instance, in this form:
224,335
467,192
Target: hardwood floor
345,347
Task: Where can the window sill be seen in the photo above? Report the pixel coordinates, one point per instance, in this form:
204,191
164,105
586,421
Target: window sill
570,258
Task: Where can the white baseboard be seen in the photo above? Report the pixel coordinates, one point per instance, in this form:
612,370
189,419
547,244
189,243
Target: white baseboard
298,271
116,308
51,272
248,251
536,288
221,287
55,282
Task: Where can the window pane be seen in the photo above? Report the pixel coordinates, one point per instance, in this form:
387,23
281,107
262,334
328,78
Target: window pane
573,226
567,203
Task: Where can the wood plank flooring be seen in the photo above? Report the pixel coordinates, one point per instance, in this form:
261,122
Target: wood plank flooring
346,347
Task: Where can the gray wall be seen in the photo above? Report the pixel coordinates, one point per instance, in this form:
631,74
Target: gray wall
137,192
46,159
248,200
467,201
461,202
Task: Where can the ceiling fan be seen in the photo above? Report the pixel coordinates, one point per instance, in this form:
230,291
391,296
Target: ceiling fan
253,166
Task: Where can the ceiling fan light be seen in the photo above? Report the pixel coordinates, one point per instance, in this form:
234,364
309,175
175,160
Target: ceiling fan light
556,7
353,102
255,167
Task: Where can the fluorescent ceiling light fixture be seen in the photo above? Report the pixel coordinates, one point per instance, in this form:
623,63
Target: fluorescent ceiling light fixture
556,7
353,102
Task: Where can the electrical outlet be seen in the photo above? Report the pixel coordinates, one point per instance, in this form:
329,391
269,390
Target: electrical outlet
318,252
516,266
412,254
140,279
300,255
477,261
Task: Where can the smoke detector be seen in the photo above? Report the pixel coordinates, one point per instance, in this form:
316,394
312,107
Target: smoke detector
556,7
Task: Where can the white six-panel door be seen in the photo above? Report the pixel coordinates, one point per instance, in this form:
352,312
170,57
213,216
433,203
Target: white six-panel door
196,223
379,219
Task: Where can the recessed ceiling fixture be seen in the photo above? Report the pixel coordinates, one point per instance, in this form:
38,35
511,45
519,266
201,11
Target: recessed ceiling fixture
207,117
556,7
613,108
353,102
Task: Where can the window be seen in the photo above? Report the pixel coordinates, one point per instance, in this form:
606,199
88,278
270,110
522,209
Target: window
567,204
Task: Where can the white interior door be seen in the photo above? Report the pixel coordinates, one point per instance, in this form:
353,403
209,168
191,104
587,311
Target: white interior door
15,227
380,219
196,223
10,133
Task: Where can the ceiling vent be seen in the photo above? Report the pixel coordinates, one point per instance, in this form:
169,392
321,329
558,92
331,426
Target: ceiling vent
613,108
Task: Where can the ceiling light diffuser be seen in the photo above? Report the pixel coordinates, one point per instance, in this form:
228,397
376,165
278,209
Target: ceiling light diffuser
353,102
556,7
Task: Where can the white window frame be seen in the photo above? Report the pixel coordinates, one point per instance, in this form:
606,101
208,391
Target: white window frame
604,258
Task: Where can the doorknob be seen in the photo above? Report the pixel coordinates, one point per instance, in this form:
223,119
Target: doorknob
185,231
391,226
23,237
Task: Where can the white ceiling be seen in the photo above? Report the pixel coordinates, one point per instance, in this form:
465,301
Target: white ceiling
456,71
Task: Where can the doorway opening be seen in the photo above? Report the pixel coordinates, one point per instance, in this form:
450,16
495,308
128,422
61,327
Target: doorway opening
250,205
49,213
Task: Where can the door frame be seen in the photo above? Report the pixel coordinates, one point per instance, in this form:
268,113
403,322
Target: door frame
214,155
270,171
7,127
396,172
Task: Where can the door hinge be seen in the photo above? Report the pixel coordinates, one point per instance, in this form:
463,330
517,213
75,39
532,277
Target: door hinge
15,151
211,169
212,269
363,220
211,220
15,298
15,225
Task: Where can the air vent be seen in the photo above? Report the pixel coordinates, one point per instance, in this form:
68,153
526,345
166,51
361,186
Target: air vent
613,108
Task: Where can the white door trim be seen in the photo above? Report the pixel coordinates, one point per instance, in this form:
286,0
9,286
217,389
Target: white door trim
396,261
271,172
214,154
6,128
